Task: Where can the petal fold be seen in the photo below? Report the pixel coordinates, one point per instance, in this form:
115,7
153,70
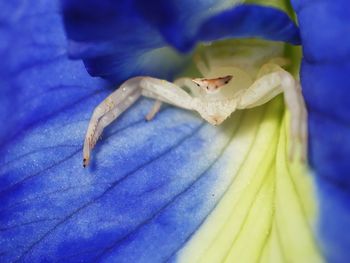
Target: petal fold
116,42
161,30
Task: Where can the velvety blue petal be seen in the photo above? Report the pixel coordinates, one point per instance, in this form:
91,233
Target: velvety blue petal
246,21
115,42
100,32
26,73
325,78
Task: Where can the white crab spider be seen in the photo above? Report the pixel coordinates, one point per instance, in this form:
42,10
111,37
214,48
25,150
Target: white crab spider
211,97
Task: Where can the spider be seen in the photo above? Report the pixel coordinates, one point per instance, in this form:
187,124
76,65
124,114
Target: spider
215,98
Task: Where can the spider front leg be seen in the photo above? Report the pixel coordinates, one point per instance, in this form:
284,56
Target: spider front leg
107,111
274,80
164,91
121,99
178,83
155,109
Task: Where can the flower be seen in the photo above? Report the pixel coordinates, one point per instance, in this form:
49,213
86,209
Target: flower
160,190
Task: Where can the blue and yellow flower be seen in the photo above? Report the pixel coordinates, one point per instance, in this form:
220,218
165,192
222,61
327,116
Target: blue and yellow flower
174,189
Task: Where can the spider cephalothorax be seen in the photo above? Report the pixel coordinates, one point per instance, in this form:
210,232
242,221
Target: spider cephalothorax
212,85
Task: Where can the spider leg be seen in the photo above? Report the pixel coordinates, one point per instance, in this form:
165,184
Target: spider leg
126,95
155,109
199,61
274,80
188,83
180,83
107,111
303,123
166,92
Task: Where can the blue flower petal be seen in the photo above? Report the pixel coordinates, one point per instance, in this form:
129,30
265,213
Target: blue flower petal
325,76
29,94
246,21
101,35
115,42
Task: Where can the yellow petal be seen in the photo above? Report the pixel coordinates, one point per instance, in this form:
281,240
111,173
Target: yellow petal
267,212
